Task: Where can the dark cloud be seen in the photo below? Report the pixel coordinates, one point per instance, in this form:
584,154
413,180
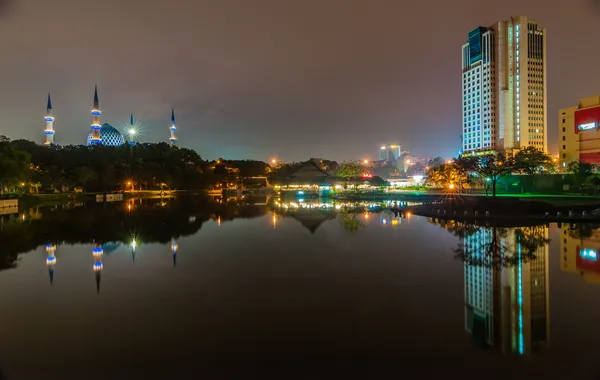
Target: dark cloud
594,4
5,7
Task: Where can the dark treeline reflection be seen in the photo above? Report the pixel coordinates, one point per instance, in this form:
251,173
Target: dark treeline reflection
150,220
495,246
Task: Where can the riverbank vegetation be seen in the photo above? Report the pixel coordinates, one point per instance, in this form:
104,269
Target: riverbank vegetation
527,167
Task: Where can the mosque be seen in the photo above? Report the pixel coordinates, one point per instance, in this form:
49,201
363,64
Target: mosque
100,134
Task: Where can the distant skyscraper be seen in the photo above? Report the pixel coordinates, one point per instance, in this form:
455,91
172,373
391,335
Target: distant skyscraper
96,127
504,87
389,152
173,138
49,131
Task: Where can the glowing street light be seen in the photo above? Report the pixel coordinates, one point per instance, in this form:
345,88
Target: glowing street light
274,161
451,186
366,162
132,132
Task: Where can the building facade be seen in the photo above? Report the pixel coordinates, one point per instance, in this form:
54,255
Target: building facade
504,87
578,132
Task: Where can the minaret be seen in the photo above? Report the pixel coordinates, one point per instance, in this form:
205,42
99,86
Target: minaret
173,139
51,260
49,131
131,131
96,126
98,252
174,249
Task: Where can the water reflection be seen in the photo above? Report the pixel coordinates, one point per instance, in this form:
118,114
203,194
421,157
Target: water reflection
97,253
352,215
580,249
51,260
386,290
129,223
506,285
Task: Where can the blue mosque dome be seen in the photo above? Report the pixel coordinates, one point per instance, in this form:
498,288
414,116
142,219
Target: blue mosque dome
109,135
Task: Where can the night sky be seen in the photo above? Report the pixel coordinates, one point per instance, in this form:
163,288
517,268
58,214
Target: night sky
251,79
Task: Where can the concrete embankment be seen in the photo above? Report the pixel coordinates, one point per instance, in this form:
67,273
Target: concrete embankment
480,208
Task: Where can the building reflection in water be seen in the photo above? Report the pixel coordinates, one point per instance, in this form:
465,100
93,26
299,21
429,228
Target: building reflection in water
507,305
51,260
580,249
97,252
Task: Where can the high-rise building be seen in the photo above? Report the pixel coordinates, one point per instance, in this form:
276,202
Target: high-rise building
578,132
507,296
389,152
504,87
49,119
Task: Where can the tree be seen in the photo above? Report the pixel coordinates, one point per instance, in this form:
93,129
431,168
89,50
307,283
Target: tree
493,167
581,171
531,161
14,165
442,176
464,166
349,169
436,162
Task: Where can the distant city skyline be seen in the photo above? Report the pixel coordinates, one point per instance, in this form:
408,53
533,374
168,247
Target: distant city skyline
296,80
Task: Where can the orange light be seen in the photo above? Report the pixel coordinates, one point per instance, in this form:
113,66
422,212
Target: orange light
451,186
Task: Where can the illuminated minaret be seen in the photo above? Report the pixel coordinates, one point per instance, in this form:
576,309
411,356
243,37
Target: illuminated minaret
173,139
49,131
131,131
51,260
96,127
174,249
98,252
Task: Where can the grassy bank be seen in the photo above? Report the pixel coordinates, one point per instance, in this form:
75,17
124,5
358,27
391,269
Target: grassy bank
45,200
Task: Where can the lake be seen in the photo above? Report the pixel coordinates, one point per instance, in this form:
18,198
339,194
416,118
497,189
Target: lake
200,288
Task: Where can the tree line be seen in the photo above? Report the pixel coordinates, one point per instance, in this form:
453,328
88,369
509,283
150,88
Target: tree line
29,167
486,171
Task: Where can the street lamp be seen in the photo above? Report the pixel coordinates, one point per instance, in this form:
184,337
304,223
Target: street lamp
366,162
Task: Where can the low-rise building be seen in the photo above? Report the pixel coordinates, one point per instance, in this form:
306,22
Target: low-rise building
579,132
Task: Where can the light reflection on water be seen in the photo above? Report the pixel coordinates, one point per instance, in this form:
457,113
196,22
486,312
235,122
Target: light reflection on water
263,284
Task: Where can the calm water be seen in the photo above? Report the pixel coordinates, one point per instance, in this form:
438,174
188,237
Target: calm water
234,290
